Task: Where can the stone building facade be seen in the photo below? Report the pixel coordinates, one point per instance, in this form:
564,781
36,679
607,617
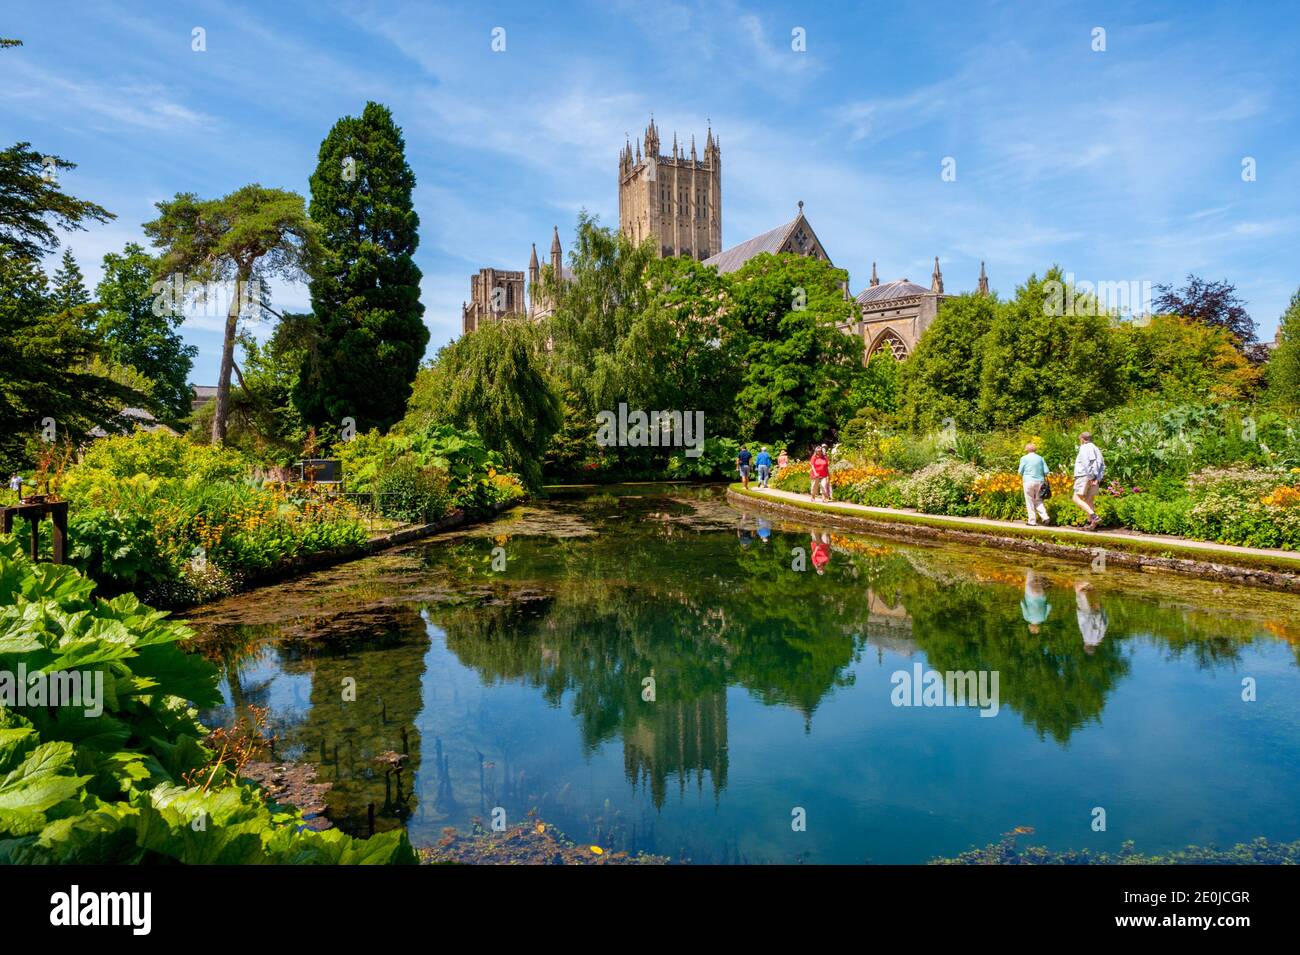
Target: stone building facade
895,314
675,199
797,235
493,293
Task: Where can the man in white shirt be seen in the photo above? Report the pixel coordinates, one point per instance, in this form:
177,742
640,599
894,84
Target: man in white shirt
1089,468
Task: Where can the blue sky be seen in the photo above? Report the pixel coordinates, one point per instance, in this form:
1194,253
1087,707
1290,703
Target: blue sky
1121,166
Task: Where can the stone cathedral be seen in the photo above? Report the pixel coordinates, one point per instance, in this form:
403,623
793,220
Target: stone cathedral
675,200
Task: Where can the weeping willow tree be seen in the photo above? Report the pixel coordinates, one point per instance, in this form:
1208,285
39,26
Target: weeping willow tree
492,380
596,310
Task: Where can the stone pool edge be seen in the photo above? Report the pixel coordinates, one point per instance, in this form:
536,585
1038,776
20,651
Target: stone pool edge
1255,571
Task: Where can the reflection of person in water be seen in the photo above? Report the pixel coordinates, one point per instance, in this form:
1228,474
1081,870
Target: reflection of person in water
821,551
745,535
1092,616
764,530
1034,607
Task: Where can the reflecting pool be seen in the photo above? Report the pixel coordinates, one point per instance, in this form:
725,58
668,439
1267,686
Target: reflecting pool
655,669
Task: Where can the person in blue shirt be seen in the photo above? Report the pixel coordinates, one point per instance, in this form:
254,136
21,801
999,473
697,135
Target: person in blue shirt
1033,474
763,462
742,465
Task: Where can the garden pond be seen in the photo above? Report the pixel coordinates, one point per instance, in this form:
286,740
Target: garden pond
653,669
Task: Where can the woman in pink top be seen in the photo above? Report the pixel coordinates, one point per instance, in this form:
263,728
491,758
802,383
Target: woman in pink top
819,470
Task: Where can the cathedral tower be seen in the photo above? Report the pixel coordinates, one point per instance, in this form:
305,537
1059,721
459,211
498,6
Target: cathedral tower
675,199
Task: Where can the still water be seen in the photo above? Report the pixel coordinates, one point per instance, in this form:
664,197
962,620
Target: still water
651,672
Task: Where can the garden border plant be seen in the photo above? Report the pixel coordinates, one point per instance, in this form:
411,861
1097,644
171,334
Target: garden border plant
135,783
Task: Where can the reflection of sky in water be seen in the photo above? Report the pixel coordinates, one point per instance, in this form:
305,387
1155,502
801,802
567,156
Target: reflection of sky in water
1149,727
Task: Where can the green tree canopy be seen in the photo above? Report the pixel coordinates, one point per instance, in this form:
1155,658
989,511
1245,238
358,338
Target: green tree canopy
941,379
1284,366
365,288
50,366
1184,359
799,369
33,207
595,313
1049,351
69,285
137,334
252,234
492,381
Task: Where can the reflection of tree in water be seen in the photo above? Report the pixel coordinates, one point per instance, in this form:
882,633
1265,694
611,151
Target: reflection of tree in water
721,614
601,649
347,740
590,617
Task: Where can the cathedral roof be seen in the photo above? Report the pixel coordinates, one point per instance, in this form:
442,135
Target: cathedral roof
738,255
899,288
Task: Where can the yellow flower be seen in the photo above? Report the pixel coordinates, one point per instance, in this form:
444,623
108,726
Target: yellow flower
1284,496
597,850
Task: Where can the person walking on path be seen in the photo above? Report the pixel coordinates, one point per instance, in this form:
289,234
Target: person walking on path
1089,469
782,460
819,470
763,462
1033,475
742,465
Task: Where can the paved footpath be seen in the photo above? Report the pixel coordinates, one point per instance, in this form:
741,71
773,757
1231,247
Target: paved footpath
1072,535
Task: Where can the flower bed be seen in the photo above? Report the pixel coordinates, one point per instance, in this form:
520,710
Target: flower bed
180,522
1254,507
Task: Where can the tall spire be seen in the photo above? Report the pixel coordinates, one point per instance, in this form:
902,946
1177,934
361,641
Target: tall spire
652,139
936,278
875,279
557,259
984,280
534,281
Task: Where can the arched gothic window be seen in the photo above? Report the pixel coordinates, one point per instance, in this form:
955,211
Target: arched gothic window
890,339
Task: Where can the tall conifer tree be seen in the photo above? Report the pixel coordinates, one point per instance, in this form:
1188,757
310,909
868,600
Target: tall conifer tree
69,284
365,290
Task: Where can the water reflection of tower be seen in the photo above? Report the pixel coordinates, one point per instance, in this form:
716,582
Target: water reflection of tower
685,737
347,738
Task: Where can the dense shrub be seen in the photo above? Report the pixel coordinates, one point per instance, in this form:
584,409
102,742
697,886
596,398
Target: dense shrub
458,472
179,522
717,459
1152,515
943,487
158,454
413,493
